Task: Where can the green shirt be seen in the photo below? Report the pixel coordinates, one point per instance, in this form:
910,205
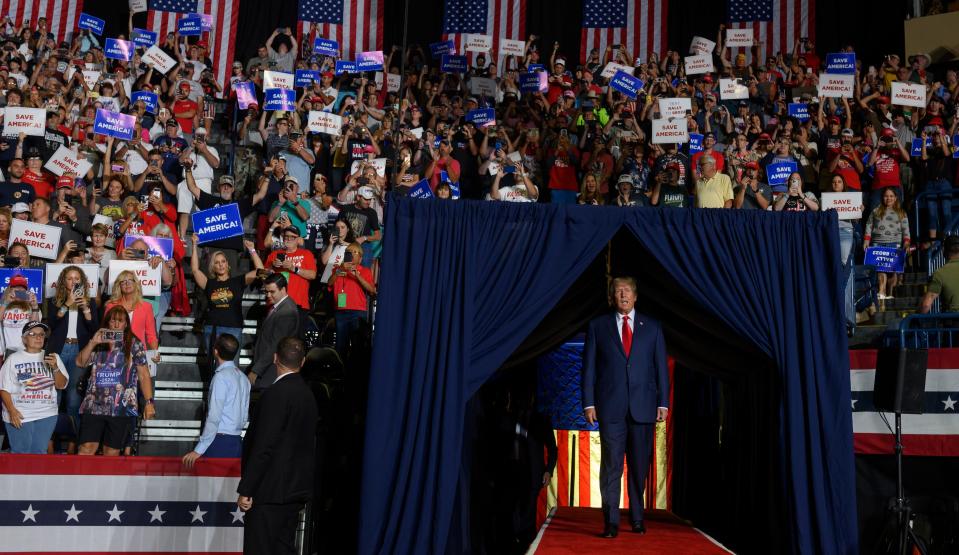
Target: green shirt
295,219
945,283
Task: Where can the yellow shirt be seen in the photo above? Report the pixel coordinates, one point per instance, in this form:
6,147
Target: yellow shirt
714,192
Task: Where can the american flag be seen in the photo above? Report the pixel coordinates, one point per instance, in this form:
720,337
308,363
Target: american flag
935,433
502,19
638,25
163,15
69,504
357,25
777,24
62,16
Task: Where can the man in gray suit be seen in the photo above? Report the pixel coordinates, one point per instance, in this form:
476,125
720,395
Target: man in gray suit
283,320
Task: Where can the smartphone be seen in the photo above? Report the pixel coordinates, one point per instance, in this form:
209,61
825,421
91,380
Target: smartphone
155,192
348,257
78,290
11,261
117,168
21,295
138,254
113,336
281,256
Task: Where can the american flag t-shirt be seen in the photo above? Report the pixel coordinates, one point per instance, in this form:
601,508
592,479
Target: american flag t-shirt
639,26
62,15
776,24
502,19
357,25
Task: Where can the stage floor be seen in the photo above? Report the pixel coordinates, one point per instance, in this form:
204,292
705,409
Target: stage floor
576,530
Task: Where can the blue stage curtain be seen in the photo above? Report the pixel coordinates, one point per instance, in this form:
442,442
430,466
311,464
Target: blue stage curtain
775,280
462,285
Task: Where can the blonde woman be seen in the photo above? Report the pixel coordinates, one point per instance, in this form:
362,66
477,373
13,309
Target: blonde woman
5,218
589,191
128,294
887,226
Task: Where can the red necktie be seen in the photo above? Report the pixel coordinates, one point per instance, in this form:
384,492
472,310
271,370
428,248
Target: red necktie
627,335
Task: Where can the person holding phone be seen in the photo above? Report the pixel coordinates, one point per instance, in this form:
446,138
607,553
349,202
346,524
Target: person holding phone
351,285
290,207
128,294
19,306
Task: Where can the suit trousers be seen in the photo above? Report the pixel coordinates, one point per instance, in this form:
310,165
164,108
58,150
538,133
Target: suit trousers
270,529
634,441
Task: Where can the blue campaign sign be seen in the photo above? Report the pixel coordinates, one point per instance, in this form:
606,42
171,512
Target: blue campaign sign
144,38
421,189
245,94
777,173
453,64
113,124
279,99
842,62
326,47
536,67
695,142
626,84
344,66
94,24
916,149
306,77
799,110
149,99
206,21
190,26
437,49
955,150
884,259
369,61
454,187
34,279
481,116
536,81
217,223
118,49
156,246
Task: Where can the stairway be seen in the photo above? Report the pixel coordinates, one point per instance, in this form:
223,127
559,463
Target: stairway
907,298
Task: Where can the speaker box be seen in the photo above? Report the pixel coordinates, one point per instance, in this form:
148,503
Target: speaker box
901,380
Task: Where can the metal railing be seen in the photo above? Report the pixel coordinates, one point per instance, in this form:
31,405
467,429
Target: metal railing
926,331
922,199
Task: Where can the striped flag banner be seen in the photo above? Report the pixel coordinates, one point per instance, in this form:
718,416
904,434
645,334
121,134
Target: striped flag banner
638,26
935,433
777,24
501,19
72,504
221,40
61,15
359,30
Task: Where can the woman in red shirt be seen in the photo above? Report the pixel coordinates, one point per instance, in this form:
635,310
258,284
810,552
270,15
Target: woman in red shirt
351,284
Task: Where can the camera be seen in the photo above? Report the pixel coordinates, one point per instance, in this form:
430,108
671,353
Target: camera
13,261
138,254
348,256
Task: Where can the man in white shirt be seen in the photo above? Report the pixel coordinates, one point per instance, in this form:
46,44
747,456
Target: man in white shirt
204,159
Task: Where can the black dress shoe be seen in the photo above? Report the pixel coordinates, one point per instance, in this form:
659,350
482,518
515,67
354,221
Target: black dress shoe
639,527
610,531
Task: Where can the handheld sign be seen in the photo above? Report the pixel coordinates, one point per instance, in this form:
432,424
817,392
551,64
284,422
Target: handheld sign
305,77
534,82
610,70
34,279
279,100
437,49
510,47
29,121
674,107
53,271
908,94
626,84
701,45
732,89
65,160
149,277
325,122
277,80
847,205
326,47
453,64
94,24
245,94
421,189
118,49
42,241
217,223
90,78
699,64
739,38
156,246
670,131
379,164
955,141
369,61
189,26
206,21
149,100
695,142
916,148
144,38
777,173
836,85
799,110
114,124
884,259
482,117
159,59
138,6
842,63
541,67
344,66
478,43
393,82
483,86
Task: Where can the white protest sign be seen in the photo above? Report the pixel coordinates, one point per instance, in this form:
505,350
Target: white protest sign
670,131
53,271
483,86
701,45
739,37
908,94
847,205
90,78
42,241
494,168
324,122
674,107
393,82
510,47
515,156
478,43
699,64
65,160
732,89
149,277
29,121
611,69
277,80
159,59
137,6
834,85
417,132
378,163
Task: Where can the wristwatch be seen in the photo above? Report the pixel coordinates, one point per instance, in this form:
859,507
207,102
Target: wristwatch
150,401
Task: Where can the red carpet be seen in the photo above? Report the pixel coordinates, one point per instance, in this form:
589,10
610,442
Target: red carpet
575,530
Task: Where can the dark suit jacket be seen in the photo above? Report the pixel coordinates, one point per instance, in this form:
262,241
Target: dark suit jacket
280,323
618,385
279,448
58,326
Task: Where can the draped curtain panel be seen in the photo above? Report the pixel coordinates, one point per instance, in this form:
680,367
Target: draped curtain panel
463,284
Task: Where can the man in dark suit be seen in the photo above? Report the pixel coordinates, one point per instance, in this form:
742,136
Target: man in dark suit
626,390
283,320
278,456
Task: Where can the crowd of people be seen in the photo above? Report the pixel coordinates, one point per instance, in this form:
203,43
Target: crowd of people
313,201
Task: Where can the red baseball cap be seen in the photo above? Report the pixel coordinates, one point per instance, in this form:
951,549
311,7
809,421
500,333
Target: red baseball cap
201,43
765,137
834,119
327,74
18,281
65,181
752,165
185,85
888,132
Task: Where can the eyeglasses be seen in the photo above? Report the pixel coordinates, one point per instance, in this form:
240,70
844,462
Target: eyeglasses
34,334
